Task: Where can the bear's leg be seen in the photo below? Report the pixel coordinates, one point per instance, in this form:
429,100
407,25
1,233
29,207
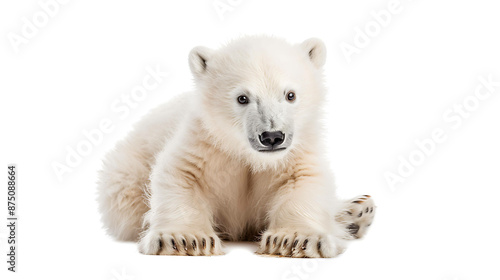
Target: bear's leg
181,225
301,222
180,220
357,215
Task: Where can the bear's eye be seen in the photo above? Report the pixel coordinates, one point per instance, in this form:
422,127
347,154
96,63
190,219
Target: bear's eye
242,99
290,96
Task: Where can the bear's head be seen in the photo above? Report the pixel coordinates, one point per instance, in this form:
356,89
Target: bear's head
261,97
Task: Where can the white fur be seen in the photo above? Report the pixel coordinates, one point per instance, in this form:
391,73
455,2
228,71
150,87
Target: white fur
188,175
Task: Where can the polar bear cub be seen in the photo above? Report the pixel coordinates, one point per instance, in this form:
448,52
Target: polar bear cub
239,158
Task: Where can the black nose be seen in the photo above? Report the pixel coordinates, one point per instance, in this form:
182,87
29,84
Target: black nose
271,138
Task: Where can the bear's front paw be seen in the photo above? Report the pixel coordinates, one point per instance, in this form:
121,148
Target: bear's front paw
300,244
169,243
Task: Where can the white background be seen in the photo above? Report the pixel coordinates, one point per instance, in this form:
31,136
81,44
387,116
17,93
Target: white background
440,223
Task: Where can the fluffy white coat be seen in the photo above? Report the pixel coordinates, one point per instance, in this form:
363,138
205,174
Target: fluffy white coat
193,172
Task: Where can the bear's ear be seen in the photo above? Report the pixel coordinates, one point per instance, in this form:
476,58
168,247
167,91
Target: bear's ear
198,58
316,50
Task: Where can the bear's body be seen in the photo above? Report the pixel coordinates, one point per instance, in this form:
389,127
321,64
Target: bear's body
238,157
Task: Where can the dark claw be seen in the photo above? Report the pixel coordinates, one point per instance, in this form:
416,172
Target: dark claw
194,244
319,245
160,244
212,242
275,241
360,214
268,240
285,242
184,244
294,244
174,246
304,245
371,209
349,213
366,210
353,228
357,201
204,243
